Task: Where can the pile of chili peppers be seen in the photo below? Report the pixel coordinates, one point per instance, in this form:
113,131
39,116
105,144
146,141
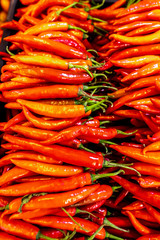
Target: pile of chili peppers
80,145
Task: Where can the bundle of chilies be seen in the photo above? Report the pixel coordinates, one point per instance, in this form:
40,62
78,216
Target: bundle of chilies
71,93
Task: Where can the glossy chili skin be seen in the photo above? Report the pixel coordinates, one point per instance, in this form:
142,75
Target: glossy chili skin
67,223
56,75
68,155
152,197
58,48
53,185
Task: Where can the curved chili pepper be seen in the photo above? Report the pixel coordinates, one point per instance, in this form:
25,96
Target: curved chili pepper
56,75
84,226
20,228
45,92
144,82
51,46
142,214
128,113
49,125
47,169
144,30
131,18
143,230
6,236
150,236
134,62
136,205
76,131
153,126
56,185
16,119
54,200
131,233
139,7
147,92
103,192
137,40
153,147
61,111
149,182
14,174
151,197
135,25
147,109
42,5
30,155
136,153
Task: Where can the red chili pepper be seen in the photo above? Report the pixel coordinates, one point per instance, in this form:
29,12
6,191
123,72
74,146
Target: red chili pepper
6,236
45,92
153,126
42,5
20,228
54,200
57,111
145,71
128,113
76,131
142,214
149,196
134,25
47,168
145,169
150,91
124,235
65,154
14,174
144,30
53,233
51,46
136,205
139,7
131,18
84,226
16,119
150,237
143,82
143,230
135,62
49,125
93,206
149,182
56,75
56,185
121,196
147,109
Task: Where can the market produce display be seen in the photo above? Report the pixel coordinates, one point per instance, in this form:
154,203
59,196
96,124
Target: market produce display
80,147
